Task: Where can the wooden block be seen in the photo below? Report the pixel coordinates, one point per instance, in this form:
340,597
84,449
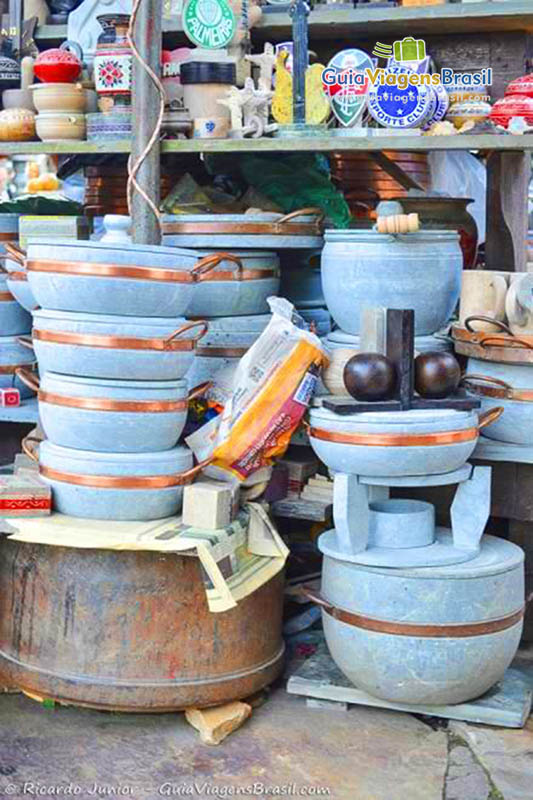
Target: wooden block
215,724
208,505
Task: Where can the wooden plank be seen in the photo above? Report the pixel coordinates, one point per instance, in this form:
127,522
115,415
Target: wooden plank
508,176
312,510
63,148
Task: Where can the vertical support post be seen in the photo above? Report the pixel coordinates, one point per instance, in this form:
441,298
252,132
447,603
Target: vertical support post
400,350
508,176
145,109
299,12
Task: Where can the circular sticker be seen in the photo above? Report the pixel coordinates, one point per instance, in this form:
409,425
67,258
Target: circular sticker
400,108
209,23
442,103
347,84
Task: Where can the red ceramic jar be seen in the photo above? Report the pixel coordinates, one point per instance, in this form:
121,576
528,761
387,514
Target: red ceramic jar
522,86
57,66
514,105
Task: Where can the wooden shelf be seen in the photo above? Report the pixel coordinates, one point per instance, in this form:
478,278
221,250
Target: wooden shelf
323,144
370,23
63,148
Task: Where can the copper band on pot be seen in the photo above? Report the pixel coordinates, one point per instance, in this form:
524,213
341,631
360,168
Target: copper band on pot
110,271
303,229
113,342
6,297
396,439
116,481
18,275
426,631
421,630
103,404
10,369
222,352
8,237
525,395
240,275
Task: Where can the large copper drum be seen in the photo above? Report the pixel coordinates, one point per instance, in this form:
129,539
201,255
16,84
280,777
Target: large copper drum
130,631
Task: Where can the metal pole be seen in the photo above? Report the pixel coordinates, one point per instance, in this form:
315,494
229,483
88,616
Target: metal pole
145,108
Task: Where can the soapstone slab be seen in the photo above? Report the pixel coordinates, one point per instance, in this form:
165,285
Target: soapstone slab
491,450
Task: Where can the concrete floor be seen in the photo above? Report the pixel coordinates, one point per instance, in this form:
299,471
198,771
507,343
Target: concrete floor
294,750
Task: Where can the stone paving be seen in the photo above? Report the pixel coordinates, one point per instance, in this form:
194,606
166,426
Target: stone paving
359,754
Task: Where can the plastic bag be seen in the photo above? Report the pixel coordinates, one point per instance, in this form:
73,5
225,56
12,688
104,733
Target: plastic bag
272,388
460,174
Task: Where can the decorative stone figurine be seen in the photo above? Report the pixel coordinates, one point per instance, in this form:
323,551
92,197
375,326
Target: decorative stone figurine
248,109
265,61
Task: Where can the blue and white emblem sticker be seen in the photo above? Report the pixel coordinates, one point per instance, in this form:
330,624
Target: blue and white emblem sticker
400,108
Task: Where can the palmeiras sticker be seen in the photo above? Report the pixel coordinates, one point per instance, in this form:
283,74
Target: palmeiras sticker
209,23
400,108
347,85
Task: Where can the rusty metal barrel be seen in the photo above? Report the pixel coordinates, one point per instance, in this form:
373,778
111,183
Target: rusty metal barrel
130,630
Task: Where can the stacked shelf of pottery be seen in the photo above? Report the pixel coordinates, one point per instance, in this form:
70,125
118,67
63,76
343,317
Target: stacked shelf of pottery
60,99
419,271
113,349
15,321
495,332
244,265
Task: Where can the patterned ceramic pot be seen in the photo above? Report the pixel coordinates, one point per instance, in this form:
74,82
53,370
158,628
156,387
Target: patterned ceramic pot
125,348
111,416
113,59
424,636
113,485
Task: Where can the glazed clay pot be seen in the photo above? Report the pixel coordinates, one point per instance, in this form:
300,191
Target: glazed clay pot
58,126
59,64
113,60
447,213
66,97
17,125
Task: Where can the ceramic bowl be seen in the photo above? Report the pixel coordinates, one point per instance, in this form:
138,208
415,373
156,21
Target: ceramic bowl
55,125
66,97
18,98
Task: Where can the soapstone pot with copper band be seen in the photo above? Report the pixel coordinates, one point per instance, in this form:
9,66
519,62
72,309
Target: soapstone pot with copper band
420,271
394,443
115,416
114,486
426,636
127,279
14,319
13,357
130,630
123,348
237,286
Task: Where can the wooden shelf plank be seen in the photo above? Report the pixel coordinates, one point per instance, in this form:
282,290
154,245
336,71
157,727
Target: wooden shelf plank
342,143
324,144
367,23
63,147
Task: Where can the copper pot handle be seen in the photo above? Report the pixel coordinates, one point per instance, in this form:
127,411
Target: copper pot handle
199,390
27,448
190,473
316,597
486,379
480,318
317,212
28,378
201,323
496,342
25,341
208,263
16,253
490,416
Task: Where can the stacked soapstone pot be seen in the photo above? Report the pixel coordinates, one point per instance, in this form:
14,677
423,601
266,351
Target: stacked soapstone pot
113,348
419,271
414,613
232,298
15,321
